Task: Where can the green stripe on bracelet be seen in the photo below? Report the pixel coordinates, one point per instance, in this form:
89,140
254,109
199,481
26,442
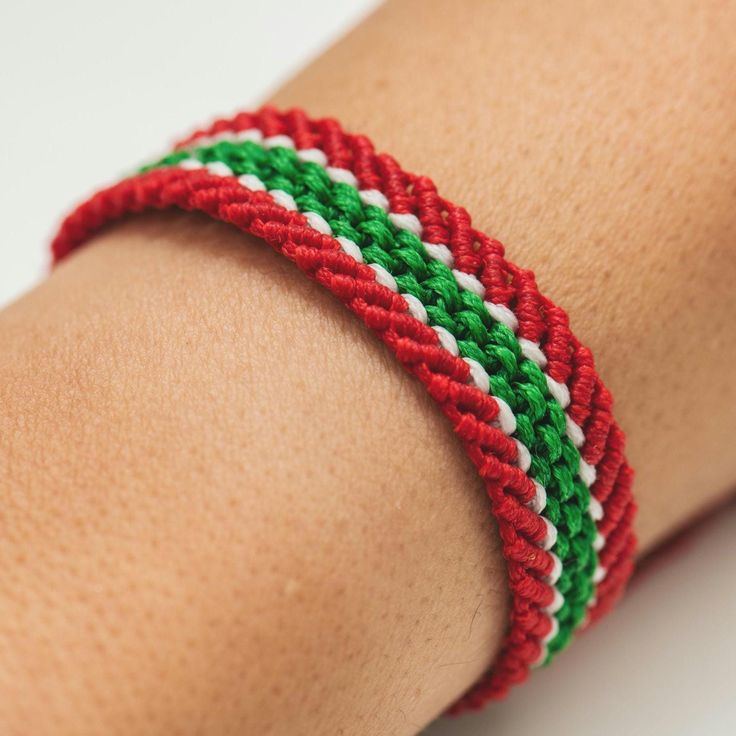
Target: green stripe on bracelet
464,325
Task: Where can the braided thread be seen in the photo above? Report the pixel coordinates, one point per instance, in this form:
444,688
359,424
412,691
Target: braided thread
393,209
465,322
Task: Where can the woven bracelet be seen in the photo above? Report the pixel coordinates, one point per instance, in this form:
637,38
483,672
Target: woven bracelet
499,358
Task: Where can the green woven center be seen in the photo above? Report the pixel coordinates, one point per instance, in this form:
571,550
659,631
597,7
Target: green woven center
517,380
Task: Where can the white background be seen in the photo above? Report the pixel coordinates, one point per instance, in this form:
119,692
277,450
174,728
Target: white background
89,89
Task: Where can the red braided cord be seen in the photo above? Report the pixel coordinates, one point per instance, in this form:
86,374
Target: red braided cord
416,346
475,253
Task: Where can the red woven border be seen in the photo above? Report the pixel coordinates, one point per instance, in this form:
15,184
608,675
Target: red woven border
416,346
540,320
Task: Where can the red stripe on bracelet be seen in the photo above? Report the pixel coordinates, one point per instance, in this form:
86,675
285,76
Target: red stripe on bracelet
417,347
540,320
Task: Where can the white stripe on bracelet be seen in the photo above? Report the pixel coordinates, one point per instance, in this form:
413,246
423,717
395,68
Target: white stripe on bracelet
506,419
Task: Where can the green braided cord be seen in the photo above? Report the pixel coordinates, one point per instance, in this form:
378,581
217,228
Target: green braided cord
514,378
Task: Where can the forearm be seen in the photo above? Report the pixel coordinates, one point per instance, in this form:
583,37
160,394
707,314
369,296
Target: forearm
233,510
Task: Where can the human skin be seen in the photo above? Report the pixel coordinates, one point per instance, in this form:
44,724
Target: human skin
225,507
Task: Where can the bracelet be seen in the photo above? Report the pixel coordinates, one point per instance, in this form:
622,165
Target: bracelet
499,358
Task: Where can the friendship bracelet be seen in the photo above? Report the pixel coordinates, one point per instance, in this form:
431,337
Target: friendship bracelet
499,358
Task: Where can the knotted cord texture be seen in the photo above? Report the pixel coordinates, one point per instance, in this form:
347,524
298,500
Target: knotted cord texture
539,420
332,192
